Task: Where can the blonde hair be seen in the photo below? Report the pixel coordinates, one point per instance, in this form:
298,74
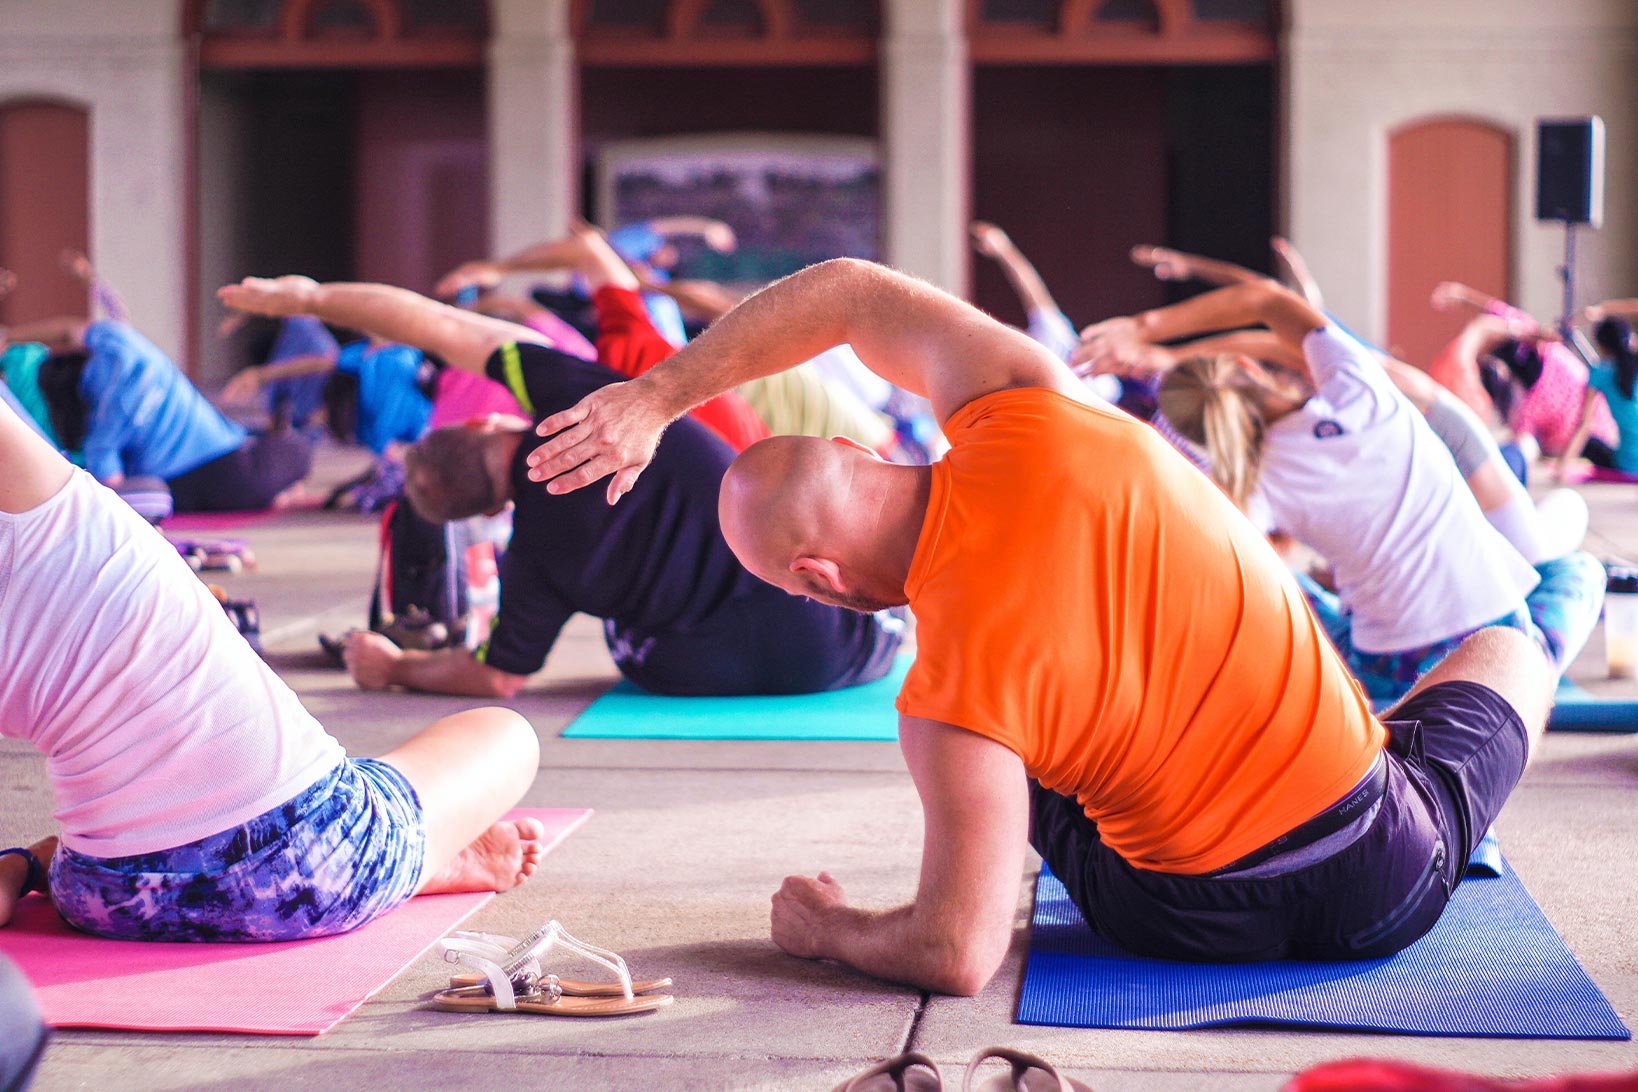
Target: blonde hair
1217,404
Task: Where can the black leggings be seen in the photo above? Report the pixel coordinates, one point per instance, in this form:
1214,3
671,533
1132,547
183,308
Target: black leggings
246,479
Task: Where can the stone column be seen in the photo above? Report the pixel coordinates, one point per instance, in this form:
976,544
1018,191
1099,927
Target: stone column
534,139
926,151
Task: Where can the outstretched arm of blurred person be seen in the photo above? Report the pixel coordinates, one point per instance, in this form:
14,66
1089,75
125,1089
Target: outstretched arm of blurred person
1295,272
462,338
567,253
103,296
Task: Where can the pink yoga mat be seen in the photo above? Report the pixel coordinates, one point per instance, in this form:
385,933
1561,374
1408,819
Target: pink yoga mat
305,987
212,523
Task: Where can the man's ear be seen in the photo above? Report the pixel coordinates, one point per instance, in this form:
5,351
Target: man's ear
848,441
824,569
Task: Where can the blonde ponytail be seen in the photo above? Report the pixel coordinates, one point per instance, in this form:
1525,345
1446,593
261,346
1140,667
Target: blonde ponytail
1218,405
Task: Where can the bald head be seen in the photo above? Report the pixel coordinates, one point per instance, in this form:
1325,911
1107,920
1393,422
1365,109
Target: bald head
823,520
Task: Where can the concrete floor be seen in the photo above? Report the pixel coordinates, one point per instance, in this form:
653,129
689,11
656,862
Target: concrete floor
690,839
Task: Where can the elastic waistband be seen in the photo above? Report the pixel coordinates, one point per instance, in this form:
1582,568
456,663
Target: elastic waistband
1332,819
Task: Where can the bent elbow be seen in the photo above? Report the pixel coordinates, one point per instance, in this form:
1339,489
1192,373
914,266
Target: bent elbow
964,969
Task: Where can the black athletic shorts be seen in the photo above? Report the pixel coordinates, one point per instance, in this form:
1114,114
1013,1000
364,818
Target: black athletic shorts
763,642
247,478
1455,751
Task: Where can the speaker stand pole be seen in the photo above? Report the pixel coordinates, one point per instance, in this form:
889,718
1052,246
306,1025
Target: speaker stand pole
1566,274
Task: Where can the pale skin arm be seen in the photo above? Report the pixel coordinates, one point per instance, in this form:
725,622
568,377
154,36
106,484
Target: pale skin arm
65,333
34,471
245,386
716,234
1452,295
1296,272
375,663
908,332
462,338
1288,317
705,299
995,244
975,803
1627,309
584,250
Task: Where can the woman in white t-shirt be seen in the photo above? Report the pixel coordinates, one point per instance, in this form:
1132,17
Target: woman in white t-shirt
1341,460
196,798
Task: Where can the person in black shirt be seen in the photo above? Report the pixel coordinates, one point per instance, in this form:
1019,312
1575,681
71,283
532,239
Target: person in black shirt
681,615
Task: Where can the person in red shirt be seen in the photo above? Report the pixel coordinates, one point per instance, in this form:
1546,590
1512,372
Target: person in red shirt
1112,664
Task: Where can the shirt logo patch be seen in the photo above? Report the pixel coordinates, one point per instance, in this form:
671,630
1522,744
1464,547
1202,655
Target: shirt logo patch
1326,429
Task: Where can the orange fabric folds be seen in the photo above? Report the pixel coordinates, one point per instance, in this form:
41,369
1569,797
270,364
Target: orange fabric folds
1088,599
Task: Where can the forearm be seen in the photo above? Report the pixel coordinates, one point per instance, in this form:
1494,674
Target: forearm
1025,280
1214,270
462,338
842,301
452,671
294,368
60,334
587,254
1260,302
706,299
896,946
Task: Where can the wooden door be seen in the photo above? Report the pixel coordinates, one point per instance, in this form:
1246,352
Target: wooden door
44,199
1450,218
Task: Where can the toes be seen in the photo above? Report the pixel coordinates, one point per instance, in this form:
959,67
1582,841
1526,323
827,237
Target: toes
531,829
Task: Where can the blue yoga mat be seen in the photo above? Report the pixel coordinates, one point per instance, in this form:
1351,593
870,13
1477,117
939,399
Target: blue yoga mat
1578,711
1491,967
856,713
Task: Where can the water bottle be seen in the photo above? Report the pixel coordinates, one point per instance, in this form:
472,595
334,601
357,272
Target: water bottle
1621,623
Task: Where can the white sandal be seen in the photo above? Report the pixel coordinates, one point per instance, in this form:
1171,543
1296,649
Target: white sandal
510,978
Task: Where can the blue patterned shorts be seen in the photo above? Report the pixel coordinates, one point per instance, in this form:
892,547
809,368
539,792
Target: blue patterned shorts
337,855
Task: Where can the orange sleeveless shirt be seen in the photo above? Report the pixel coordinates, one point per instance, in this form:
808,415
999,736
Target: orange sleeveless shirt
1088,599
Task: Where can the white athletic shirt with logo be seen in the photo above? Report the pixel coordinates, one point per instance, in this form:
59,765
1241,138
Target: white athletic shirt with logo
1358,475
159,723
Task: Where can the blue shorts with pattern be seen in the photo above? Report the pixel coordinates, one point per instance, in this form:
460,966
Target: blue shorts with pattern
337,855
1559,615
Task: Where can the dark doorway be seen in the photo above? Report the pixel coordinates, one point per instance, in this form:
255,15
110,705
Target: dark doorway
1079,164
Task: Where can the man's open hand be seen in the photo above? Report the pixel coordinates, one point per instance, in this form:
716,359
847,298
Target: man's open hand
613,430
276,297
800,909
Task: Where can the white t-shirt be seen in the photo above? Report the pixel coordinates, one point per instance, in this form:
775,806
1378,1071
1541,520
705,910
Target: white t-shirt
1358,475
159,723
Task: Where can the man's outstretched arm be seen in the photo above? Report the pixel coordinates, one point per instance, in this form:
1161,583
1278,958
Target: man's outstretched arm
975,801
375,663
905,330
462,338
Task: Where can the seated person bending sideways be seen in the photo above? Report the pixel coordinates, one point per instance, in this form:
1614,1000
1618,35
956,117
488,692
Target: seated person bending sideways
134,413
1113,666
197,799
681,615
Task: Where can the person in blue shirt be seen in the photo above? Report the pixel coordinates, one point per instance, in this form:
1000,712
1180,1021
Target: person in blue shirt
1614,378
138,415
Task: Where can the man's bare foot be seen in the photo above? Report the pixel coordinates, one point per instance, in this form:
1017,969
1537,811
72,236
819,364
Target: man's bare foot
14,874
503,856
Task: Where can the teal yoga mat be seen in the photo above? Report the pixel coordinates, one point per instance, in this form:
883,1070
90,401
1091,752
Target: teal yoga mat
856,713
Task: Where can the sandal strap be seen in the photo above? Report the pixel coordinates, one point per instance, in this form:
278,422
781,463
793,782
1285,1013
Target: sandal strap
1020,1061
498,982
553,935
35,880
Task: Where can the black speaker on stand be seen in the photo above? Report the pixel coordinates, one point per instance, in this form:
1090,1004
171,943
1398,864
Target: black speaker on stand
1570,188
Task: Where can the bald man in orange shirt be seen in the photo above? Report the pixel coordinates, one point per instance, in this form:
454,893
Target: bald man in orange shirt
1113,665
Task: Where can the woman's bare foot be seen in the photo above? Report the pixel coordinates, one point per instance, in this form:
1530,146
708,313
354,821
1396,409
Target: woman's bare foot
14,874
502,857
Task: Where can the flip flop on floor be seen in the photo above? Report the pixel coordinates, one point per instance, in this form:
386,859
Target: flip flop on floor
909,1072
515,984
1029,1074
503,949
